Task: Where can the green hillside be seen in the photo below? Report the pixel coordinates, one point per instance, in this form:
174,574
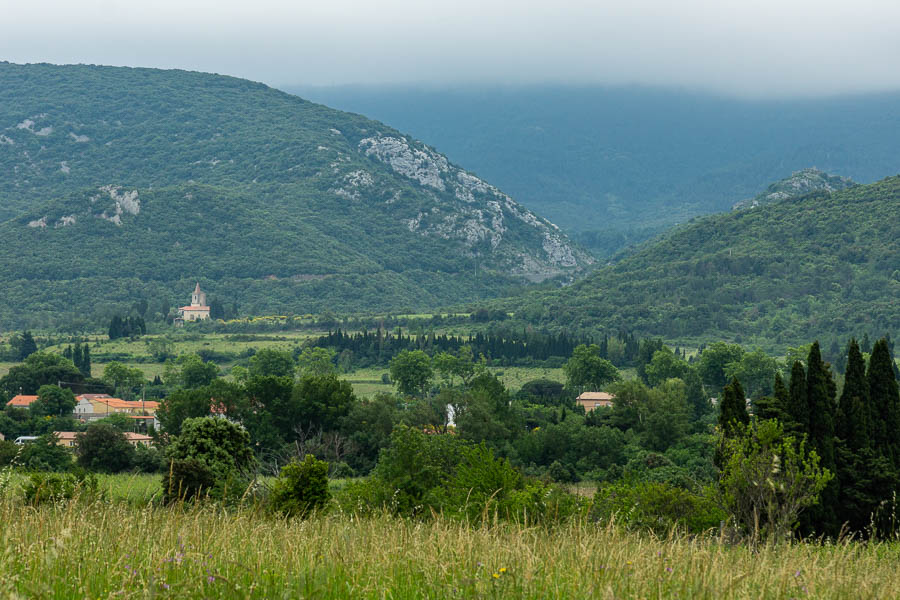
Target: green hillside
825,265
123,184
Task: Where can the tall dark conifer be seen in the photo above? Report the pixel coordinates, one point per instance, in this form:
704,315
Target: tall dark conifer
85,366
776,405
27,346
866,477
884,399
821,407
797,413
78,357
782,396
732,408
853,423
822,519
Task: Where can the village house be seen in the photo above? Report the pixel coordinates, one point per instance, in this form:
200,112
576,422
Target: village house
90,407
592,400
21,401
198,309
67,439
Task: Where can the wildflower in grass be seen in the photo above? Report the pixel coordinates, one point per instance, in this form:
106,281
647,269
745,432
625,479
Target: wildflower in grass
668,569
496,575
503,569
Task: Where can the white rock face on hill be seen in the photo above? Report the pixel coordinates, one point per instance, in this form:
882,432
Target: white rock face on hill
471,210
800,183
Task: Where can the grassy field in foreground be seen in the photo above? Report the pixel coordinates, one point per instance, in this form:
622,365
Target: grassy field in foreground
113,549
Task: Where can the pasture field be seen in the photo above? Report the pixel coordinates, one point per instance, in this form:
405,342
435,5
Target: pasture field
113,548
138,353
367,382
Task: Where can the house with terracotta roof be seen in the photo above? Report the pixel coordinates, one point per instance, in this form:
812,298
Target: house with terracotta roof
21,401
67,439
99,406
198,309
592,400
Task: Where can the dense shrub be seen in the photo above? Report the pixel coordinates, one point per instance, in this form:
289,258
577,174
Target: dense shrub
538,502
8,452
104,448
420,474
187,479
656,506
478,487
222,447
55,487
148,459
220,444
414,464
366,497
44,454
301,488
340,470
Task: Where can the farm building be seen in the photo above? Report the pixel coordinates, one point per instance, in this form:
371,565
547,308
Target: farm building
592,400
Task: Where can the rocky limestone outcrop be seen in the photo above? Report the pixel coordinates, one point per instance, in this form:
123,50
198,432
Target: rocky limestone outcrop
473,211
800,183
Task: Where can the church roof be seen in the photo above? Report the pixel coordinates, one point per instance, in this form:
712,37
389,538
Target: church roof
194,308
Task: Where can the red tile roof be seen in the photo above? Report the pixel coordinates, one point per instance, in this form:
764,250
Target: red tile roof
596,396
194,308
21,400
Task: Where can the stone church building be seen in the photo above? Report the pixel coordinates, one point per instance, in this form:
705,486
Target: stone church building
198,308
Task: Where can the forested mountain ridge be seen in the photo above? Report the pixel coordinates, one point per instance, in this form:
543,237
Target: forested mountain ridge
136,181
825,262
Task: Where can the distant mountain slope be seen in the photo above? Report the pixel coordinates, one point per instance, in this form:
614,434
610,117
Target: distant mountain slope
798,184
132,182
621,164
824,265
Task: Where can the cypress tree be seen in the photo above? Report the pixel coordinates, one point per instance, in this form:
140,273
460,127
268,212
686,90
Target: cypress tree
774,406
852,424
884,400
85,366
77,357
27,345
797,413
732,408
115,328
820,403
820,392
866,477
782,396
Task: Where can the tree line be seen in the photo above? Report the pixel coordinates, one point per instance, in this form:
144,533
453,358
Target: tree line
363,349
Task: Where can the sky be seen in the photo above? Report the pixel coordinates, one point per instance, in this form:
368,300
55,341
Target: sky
768,48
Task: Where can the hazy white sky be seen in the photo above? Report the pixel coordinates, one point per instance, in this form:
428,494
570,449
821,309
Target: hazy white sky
758,47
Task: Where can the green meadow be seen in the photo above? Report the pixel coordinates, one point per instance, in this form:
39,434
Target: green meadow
127,546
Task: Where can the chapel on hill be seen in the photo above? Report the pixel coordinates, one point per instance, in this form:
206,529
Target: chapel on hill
198,308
